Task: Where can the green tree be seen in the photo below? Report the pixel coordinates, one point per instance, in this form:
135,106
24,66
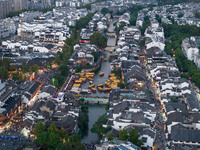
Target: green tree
20,77
79,68
121,85
58,80
111,16
123,135
16,13
39,128
174,100
54,81
179,64
58,60
74,139
133,19
24,67
145,24
15,76
74,142
54,139
5,62
30,69
53,129
83,123
105,11
83,22
110,137
98,39
98,126
142,42
168,48
120,27
197,14
82,100
42,138
64,70
83,120
134,13
35,68
158,18
177,33
180,15
171,2
134,137
71,41
95,54
62,146
62,133
3,72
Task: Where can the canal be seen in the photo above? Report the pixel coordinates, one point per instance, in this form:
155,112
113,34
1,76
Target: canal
105,67
111,40
95,111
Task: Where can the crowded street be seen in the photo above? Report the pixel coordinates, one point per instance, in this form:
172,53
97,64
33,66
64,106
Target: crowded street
45,77
12,138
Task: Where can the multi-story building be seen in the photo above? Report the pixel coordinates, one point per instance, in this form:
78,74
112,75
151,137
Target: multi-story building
189,48
7,28
5,8
20,4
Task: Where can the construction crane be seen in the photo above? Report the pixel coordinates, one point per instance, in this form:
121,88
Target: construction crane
21,26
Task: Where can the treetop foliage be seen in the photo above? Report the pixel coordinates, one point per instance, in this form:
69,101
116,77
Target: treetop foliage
16,13
176,33
98,39
132,136
54,138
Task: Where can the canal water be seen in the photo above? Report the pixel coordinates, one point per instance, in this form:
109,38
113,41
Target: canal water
105,67
95,111
111,40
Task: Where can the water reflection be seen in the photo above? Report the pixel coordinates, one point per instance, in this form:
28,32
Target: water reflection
95,112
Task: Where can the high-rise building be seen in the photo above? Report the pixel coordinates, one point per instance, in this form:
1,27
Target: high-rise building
20,4
48,2
5,7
